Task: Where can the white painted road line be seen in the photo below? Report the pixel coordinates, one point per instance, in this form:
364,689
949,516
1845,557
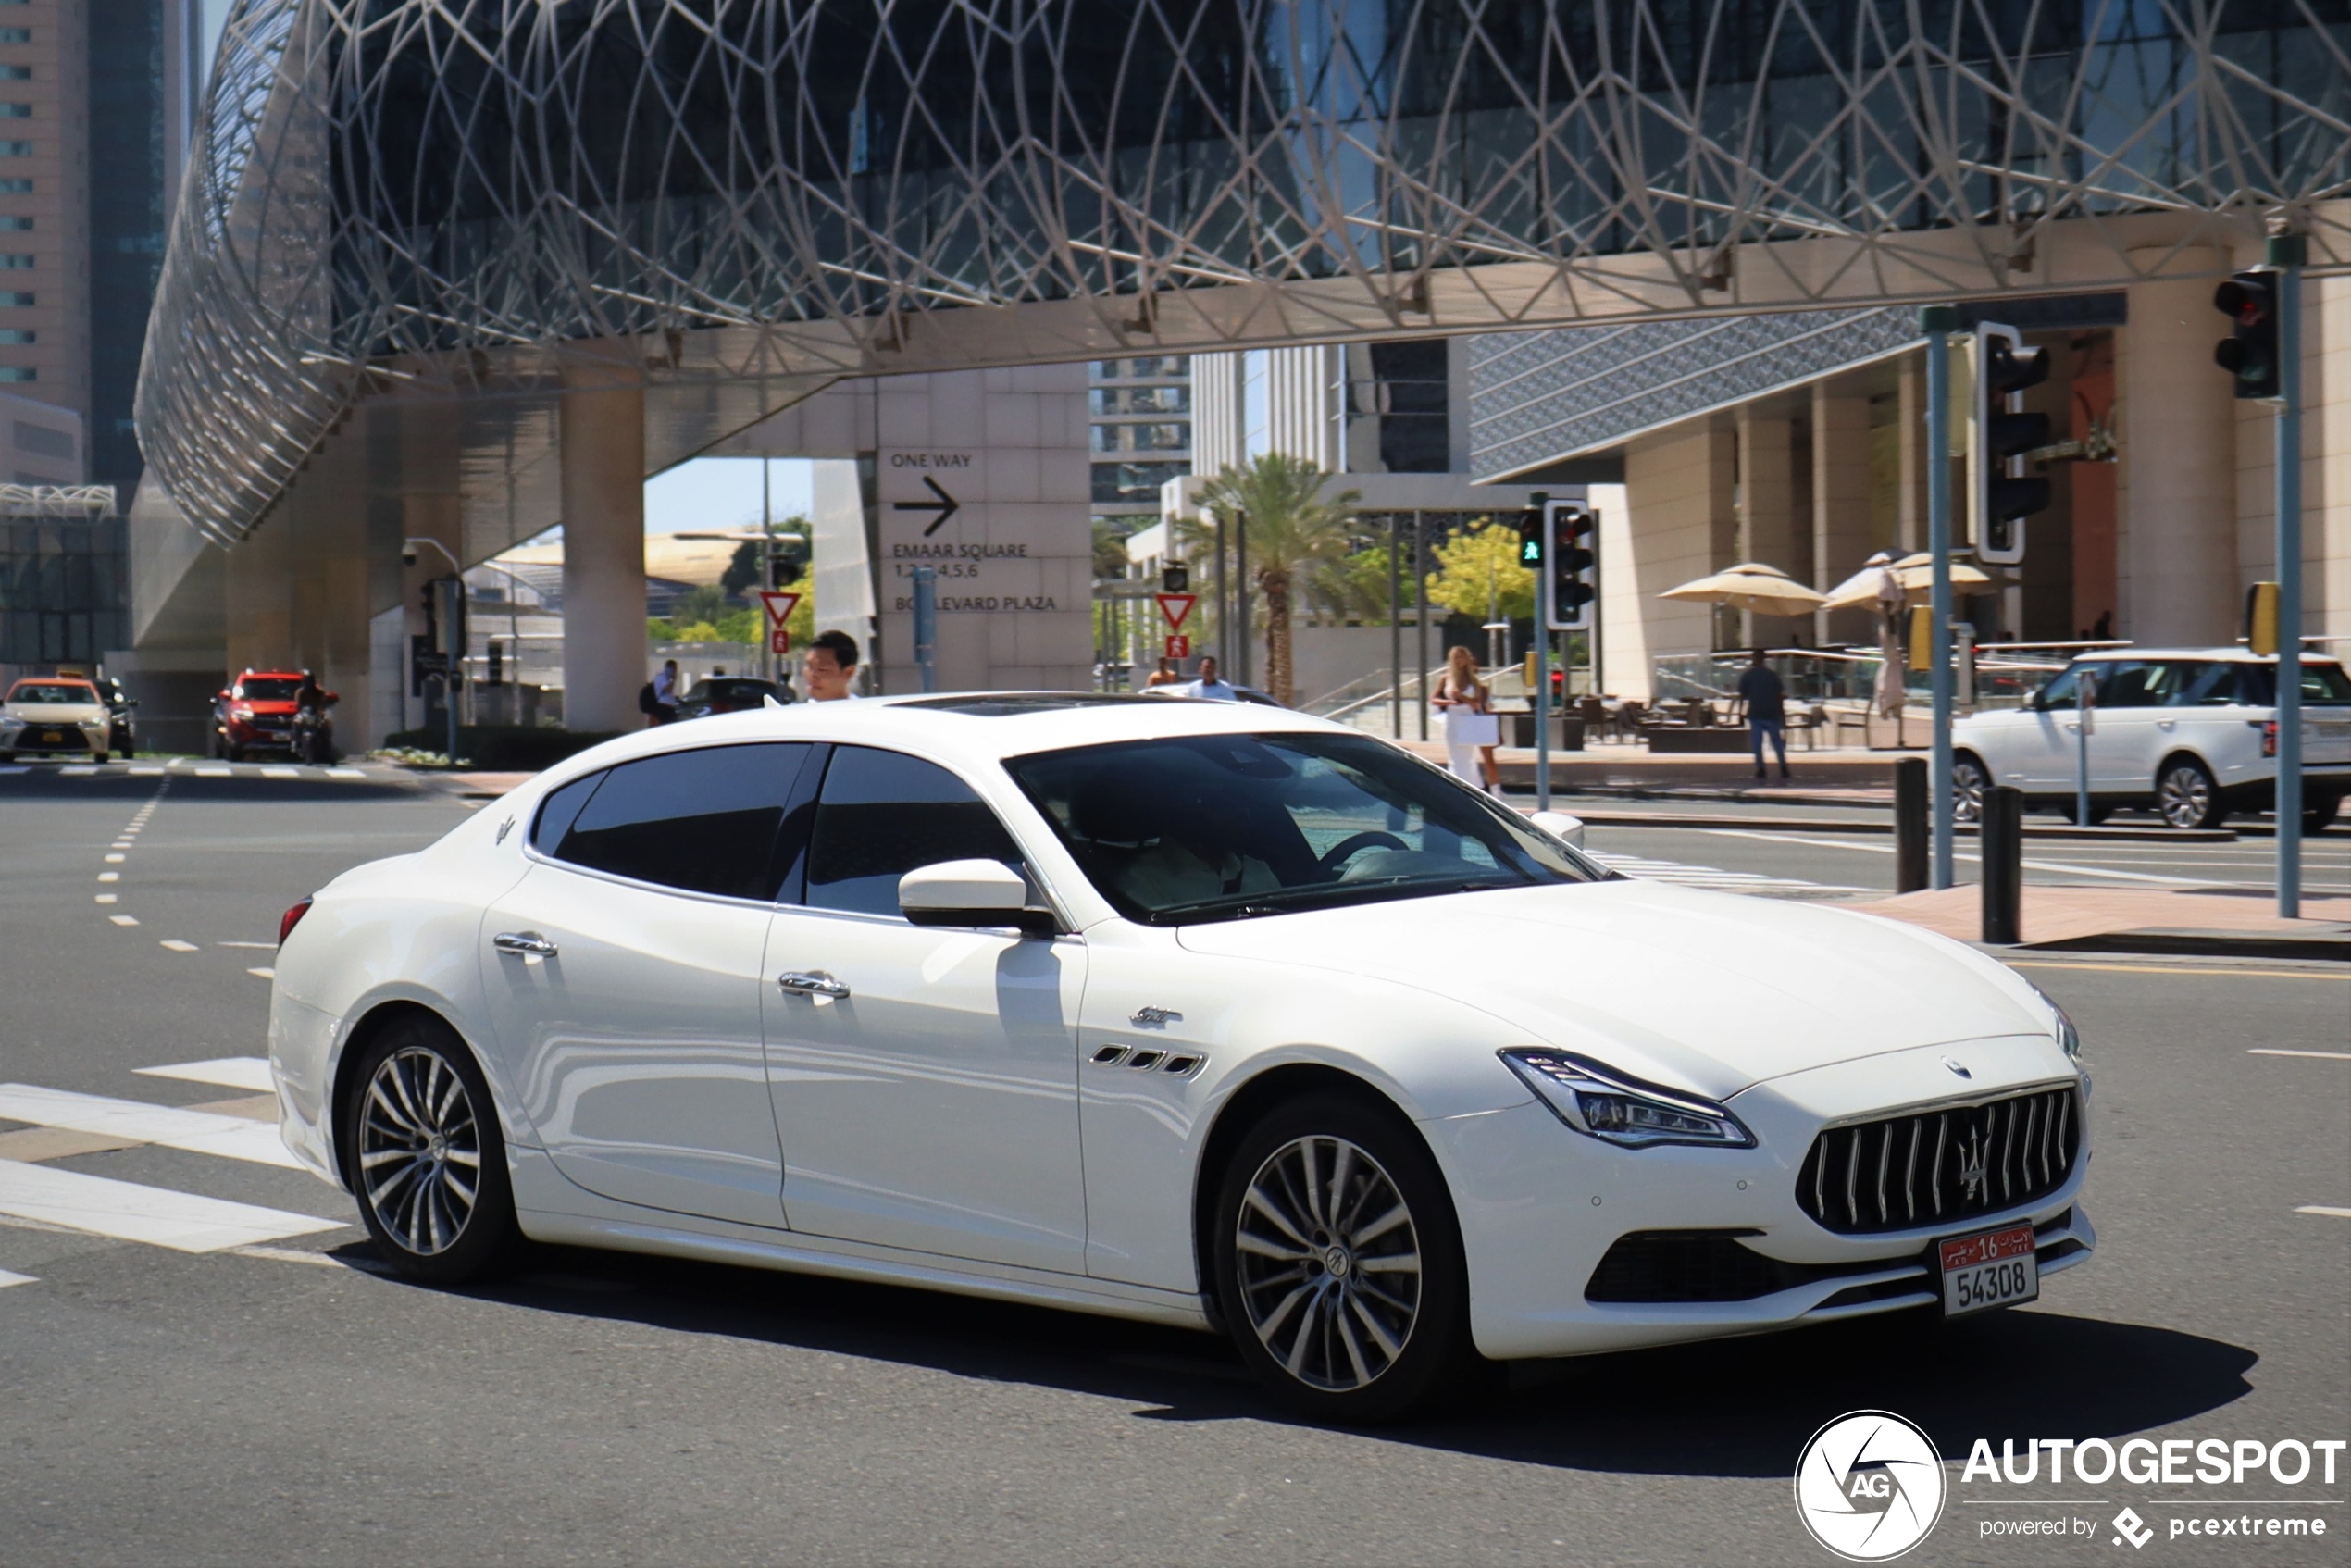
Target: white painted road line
346,773
109,875
115,859
107,897
176,945
262,945
230,1072
146,773
124,919
281,773
198,1132
7,1279
2323,1055
1972,859
2321,1209
78,770
216,773
19,768
263,974
156,1215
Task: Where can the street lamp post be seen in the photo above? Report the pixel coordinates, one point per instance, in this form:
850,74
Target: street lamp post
1939,321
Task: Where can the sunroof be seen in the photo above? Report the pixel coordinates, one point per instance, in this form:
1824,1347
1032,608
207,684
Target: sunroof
1010,705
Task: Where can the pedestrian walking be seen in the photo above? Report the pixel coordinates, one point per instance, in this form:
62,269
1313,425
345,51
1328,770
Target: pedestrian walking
1208,685
1766,702
1472,731
666,693
831,667
1166,674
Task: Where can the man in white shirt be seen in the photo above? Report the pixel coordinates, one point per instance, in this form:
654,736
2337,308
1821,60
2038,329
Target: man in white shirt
1207,686
665,694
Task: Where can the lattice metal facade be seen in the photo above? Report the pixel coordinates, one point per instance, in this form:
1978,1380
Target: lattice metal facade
435,197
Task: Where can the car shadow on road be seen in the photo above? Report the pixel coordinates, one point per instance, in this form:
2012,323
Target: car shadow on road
1725,1408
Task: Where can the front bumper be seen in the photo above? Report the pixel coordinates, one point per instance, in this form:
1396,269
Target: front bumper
1540,1207
34,739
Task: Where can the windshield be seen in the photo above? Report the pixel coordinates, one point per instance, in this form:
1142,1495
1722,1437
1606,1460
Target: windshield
1228,827
271,689
58,692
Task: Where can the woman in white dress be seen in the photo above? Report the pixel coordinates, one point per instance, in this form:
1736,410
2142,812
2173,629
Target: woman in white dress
1471,729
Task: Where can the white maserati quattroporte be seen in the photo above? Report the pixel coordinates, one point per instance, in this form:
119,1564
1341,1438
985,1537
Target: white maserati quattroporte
1189,1012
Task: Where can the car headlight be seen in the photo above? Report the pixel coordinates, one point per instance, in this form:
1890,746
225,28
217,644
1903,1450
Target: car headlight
1603,1104
2069,1039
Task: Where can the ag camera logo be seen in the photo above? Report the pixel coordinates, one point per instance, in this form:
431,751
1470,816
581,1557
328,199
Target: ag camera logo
1869,1486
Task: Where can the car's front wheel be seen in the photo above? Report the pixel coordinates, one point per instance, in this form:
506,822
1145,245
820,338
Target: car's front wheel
425,1160
2185,795
1339,1262
1970,779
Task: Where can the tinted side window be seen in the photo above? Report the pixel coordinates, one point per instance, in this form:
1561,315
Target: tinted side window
704,820
557,812
2130,683
2205,685
882,814
2060,692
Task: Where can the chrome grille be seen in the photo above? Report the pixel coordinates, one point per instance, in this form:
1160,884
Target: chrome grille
1941,1165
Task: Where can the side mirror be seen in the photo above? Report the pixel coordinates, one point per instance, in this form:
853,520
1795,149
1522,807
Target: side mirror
977,893
1560,825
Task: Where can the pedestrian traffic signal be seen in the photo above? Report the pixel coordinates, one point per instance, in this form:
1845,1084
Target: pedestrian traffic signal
1571,553
1530,537
1176,577
2000,494
2250,352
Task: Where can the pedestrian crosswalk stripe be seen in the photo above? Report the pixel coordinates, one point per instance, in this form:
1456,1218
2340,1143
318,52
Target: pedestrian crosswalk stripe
198,1132
157,1215
251,1073
78,770
124,919
7,1279
146,773
1649,869
281,773
346,773
216,773
176,945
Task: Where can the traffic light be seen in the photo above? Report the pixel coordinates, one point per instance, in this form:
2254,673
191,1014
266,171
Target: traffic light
2250,353
1530,538
1571,555
1175,577
2261,619
2000,495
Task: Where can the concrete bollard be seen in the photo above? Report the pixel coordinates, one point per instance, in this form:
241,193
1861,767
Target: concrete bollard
1910,825
2003,867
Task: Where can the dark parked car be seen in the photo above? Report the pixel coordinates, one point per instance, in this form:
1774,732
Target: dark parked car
119,705
729,694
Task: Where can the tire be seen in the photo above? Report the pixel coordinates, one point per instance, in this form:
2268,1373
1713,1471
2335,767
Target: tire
2186,796
1362,1351
1970,779
101,757
2320,810
420,1121
234,754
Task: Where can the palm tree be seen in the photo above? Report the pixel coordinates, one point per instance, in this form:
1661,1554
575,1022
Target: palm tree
1291,527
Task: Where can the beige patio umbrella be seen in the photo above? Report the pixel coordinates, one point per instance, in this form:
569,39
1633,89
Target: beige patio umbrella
1915,573
1767,590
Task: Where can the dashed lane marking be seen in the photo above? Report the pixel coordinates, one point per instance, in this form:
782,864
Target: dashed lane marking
7,1279
107,897
197,1132
264,946
146,773
2323,1055
115,859
78,770
109,875
124,919
281,773
346,773
158,1217
2323,1209
263,974
176,945
230,1072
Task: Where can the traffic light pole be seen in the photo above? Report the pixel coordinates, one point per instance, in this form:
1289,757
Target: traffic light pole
1939,321
2286,252
1541,705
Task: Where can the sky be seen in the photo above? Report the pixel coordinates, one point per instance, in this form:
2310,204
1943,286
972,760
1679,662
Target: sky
723,492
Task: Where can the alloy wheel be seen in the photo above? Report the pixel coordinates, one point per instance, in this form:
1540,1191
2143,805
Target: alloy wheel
1968,784
419,1151
2184,796
1328,1263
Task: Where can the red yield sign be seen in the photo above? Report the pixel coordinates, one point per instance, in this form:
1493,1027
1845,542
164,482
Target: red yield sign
1175,607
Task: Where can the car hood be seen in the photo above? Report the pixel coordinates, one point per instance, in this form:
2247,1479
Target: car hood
54,713
1711,992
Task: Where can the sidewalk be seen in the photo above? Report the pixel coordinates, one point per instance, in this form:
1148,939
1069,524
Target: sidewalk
2229,924
1846,776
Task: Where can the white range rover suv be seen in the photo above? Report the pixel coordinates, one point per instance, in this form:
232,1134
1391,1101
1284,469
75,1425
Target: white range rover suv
2190,732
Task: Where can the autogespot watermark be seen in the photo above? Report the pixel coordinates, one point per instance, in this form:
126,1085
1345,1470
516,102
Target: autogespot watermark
1870,1486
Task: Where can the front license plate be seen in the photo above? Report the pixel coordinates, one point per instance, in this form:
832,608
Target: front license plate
1992,1268
53,737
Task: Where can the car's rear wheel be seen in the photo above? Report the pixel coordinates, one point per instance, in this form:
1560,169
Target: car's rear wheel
1970,779
2185,795
1339,1262
2320,810
425,1160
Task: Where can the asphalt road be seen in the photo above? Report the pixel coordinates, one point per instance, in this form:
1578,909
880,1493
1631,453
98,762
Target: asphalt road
285,1403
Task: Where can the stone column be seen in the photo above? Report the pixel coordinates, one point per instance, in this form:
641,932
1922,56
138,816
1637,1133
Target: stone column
1841,534
603,439
2179,455
1676,523
1911,504
1767,510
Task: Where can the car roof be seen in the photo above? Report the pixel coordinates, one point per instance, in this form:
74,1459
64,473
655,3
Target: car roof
2240,655
970,730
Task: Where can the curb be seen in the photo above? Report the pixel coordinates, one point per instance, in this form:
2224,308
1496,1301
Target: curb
1825,825
2157,943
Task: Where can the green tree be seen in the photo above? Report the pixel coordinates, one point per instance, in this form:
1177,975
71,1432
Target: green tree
1477,574
1354,588
1293,528
742,572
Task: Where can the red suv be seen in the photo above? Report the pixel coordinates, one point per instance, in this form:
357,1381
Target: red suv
255,713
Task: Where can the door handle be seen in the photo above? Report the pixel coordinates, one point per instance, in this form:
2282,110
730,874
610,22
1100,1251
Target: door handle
523,941
2166,724
813,983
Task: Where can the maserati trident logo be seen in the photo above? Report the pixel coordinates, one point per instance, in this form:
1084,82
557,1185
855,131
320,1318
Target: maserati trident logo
1869,1486
1971,1182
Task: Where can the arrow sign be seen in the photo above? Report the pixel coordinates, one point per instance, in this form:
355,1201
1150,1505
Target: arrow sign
1176,606
946,506
779,607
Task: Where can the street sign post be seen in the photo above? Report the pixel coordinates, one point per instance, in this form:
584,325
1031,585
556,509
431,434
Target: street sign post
779,607
779,641
1179,647
1175,608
